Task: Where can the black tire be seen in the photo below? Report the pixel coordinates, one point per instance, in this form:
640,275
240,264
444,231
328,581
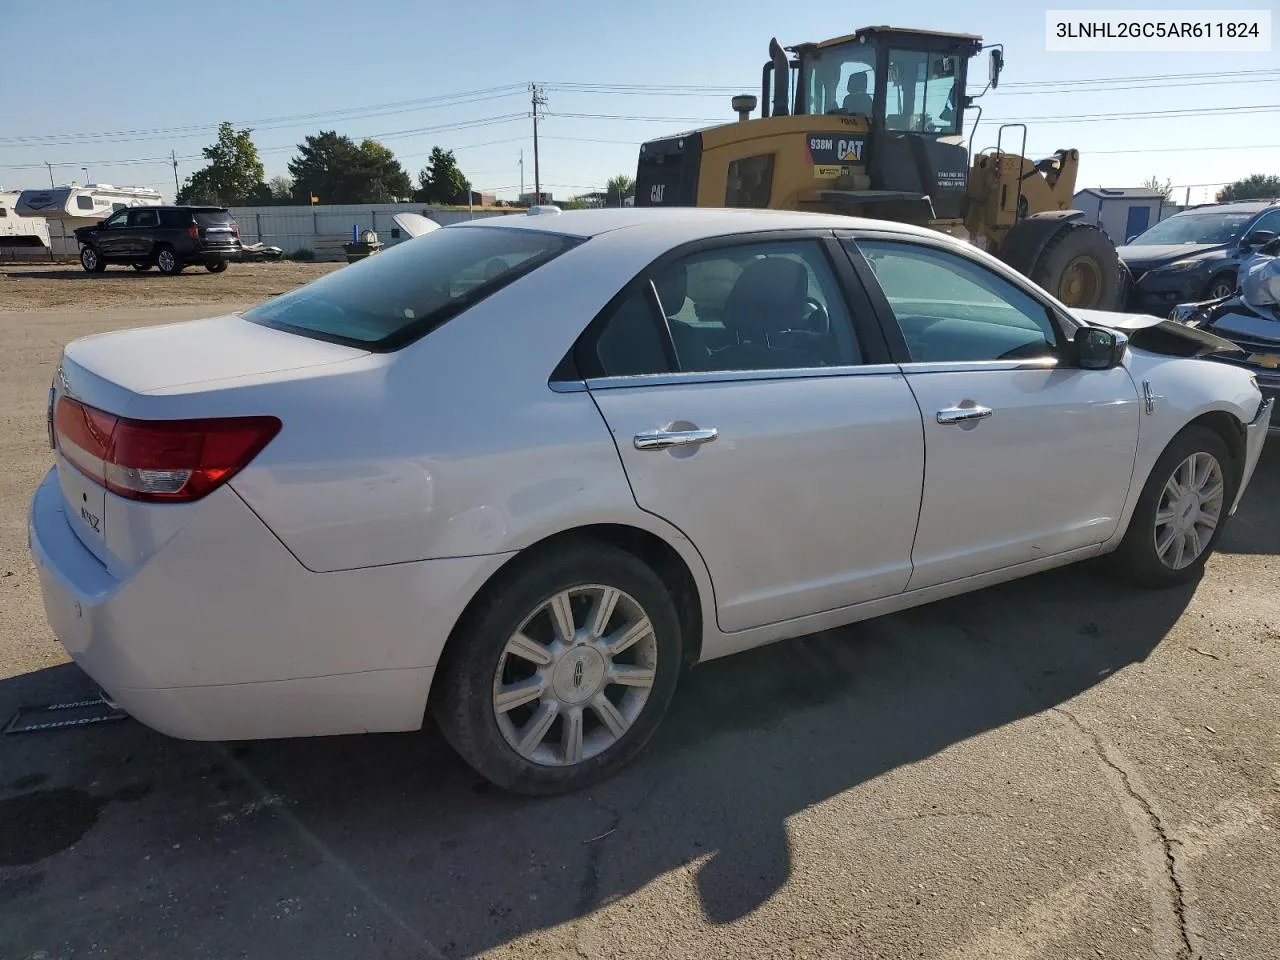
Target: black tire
142,267
1137,558
462,695
216,266
91,260
1220,287
167,261
1081,268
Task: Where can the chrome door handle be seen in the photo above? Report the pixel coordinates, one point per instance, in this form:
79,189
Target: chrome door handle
963,414
662,439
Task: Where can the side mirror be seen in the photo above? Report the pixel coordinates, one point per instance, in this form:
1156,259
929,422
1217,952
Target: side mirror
1099,349
1259,238
994,66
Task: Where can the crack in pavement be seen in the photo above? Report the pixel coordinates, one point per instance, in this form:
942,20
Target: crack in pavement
1175,889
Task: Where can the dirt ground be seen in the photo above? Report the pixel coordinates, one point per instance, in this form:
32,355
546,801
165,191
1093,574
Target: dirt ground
26,287
1061,767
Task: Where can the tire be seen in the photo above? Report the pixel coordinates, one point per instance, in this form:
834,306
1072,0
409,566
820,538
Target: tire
1080,267
1139,558
1220,287
91,260
572,679
142,267
216,266
168,262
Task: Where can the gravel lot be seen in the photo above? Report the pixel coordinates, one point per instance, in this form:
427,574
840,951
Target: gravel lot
1055,768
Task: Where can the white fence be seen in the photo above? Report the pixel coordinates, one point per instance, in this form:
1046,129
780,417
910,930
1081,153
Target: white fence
324,228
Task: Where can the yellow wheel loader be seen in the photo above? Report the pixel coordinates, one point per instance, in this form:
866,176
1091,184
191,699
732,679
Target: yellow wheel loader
872,125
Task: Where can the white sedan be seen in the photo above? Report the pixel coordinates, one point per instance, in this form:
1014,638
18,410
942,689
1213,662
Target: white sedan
521,471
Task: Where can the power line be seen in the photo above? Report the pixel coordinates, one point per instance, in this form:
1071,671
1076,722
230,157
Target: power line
1158,76
1140,115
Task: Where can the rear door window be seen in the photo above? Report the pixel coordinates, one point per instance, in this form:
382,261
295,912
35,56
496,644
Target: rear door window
142,218
403,293
175,218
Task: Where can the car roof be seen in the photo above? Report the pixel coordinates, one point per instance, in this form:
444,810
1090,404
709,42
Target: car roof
691,222
1236,206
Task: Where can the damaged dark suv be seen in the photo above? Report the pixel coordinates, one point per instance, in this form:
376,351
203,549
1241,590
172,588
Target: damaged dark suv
168,238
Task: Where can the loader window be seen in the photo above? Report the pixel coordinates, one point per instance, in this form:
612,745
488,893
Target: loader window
839,80
921,93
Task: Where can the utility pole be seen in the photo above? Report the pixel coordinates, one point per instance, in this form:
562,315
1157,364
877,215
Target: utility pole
539,100
50,166
521,171
176,189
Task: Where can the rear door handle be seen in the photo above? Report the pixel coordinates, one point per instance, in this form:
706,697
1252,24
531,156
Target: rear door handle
963,414
662,439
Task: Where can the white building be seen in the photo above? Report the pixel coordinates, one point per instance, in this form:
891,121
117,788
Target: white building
1122,212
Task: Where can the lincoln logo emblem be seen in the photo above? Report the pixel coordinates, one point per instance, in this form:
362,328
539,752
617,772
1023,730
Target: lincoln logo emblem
577,674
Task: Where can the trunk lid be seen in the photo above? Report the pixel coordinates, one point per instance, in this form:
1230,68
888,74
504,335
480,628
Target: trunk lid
217,228
114,372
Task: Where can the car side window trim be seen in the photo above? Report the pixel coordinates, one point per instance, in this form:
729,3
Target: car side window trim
852,293
732,376
1063,326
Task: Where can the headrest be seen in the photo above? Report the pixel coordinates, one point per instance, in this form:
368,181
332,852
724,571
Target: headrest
857,83
768,296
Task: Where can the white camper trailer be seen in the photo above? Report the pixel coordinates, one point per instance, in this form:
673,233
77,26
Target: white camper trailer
21,238
66,208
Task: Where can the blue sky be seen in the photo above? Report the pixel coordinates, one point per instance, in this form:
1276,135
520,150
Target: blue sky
157,66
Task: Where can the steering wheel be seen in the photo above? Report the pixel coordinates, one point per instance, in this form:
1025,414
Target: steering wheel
815,317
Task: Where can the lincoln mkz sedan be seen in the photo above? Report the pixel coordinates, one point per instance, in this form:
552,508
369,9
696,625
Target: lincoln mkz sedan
521,472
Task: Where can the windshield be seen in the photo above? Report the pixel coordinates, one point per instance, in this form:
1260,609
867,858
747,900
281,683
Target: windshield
1196,228
388,300
839,79
920,95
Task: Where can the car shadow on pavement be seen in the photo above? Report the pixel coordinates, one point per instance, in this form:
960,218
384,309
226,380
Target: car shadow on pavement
115,834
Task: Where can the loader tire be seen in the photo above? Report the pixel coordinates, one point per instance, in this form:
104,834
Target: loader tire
1080,267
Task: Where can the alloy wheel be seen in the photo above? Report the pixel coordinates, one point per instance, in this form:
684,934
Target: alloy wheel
166,261
1189,510
575,675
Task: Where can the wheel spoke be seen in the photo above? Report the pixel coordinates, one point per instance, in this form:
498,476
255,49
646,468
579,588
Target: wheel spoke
1203,470
535,731
526,648
571,739
1165,515
626,636
602,611
1179,547
512,695
1211,493
1187,472
1194,543
1172,490
609,715
562,617
1209,521
1164,542
632,676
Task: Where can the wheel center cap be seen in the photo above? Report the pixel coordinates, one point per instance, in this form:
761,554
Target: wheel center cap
578,674
1188,506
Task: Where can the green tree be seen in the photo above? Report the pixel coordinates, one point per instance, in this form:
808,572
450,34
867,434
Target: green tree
617,188
281,188
388,181
1260,186
1162,187
336,170
234,172
441,181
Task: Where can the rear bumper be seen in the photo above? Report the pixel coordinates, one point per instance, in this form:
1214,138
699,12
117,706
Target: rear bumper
1255,437
223,635
209,254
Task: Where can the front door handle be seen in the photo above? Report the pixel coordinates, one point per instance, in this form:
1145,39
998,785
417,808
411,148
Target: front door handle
662,439
963,414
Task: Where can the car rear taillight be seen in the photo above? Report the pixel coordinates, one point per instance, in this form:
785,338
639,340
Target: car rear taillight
169,461
193,232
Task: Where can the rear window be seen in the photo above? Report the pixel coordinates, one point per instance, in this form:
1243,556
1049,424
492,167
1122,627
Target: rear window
388,300
212,218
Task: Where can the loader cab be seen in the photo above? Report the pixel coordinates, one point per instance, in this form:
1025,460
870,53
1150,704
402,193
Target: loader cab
912,81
